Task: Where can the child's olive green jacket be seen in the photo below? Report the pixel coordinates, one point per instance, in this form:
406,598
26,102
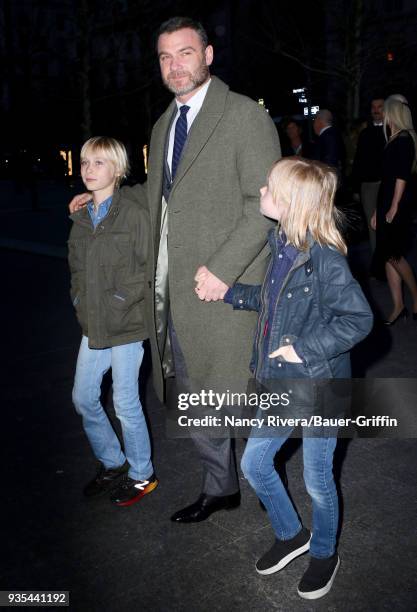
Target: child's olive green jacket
107,266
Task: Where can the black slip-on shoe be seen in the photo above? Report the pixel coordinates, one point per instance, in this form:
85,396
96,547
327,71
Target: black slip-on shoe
318,577
283,552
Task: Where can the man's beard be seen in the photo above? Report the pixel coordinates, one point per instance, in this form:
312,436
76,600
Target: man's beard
195,80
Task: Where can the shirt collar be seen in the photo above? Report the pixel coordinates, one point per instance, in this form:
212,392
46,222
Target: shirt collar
102,209
278,241
196,101
324,129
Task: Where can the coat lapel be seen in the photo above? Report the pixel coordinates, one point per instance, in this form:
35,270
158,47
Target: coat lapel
156,170
203,126
156,159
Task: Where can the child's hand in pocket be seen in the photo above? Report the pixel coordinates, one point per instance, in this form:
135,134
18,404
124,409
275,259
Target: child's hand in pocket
287,353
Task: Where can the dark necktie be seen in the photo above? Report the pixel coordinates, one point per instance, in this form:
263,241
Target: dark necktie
180,138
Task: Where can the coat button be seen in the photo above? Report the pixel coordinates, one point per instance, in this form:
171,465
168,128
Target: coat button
279,364
280,255
306,289
287,340
240,301
289,295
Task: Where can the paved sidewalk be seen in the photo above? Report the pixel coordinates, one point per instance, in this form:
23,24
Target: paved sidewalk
135,559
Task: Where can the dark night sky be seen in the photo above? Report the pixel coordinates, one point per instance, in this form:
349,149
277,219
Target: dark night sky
62,59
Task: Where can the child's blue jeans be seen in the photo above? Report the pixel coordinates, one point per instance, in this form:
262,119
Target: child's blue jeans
258,468
125,362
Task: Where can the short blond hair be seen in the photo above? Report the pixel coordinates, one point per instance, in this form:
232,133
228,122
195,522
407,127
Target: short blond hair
111,149
307,189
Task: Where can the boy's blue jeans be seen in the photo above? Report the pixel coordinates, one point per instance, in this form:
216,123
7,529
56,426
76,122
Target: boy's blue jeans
125,362
258,468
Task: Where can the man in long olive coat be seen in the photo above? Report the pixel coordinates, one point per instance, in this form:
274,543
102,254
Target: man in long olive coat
206,219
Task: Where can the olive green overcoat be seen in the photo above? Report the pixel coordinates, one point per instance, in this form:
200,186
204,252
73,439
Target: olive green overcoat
213,220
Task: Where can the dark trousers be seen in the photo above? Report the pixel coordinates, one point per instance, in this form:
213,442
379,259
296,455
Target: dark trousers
216,454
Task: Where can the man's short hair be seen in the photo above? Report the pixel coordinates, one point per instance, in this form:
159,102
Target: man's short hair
325,115
179,23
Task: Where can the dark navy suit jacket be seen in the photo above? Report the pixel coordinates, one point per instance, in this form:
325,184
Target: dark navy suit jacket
329,149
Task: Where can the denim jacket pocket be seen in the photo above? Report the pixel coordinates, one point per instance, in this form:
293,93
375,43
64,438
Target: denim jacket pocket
293,379
301,291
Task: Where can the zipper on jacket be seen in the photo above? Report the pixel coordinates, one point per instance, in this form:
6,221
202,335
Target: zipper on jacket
285,282
261,316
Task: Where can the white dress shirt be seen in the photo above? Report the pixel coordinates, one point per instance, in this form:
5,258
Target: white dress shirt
195,103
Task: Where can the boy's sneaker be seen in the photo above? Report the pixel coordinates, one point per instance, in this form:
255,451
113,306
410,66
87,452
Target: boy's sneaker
105,480
318,578
283,552
131,491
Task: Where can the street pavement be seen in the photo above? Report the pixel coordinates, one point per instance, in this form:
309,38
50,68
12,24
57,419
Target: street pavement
135,559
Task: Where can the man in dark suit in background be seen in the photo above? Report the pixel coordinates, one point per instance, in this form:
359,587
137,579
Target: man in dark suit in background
329,147
367,165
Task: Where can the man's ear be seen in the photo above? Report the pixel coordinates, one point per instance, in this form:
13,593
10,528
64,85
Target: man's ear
209,55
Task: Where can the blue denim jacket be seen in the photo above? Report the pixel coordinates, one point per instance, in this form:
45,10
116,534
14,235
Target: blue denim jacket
320,309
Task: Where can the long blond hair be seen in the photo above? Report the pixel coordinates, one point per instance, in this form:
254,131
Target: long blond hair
397,114
307,189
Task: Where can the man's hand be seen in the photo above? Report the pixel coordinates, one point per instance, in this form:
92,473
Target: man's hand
78,202
288,353
209,287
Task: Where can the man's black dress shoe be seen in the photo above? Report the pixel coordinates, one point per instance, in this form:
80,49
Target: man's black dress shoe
204,506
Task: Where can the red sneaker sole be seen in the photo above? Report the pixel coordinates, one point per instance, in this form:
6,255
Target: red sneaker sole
138,497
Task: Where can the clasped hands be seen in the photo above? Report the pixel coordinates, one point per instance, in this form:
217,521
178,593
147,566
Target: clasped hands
209,287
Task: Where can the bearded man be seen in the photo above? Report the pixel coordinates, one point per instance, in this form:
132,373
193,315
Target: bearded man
209,155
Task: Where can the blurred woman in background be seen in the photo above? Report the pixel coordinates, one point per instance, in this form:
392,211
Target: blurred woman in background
392,217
